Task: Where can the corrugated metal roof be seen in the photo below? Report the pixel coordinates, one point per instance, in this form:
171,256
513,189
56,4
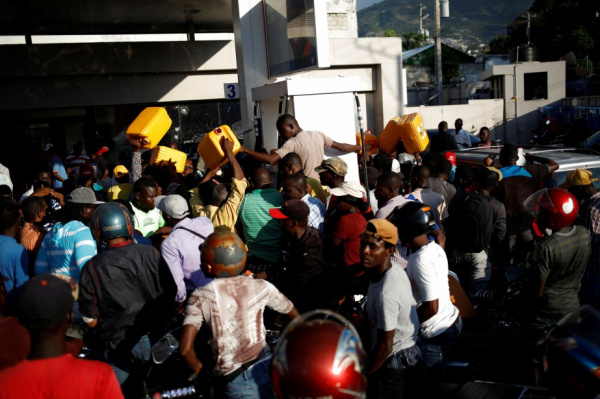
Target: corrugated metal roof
412,52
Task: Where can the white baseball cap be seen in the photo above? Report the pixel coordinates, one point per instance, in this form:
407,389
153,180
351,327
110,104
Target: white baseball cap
173,205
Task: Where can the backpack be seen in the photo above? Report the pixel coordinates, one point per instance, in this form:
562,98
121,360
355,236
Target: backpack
471,222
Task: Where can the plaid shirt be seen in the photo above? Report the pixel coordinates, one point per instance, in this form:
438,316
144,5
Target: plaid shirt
317,212
592,222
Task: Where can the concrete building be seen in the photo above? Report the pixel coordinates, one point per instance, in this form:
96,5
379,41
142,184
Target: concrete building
86,69
525,87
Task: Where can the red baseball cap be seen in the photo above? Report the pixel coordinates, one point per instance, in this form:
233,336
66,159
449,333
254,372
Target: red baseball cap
292,209
450,156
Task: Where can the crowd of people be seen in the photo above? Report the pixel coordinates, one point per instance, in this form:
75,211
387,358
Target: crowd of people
121,248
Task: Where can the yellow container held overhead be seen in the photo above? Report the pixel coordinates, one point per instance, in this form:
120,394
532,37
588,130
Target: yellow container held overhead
210,149
413,134
161,153
371,142
409,129
151,124
390,137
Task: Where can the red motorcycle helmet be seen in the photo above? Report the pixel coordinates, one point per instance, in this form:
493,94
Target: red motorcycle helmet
86,171
319,355
552,208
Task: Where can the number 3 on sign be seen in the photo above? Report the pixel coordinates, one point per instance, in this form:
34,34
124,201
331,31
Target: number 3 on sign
231,91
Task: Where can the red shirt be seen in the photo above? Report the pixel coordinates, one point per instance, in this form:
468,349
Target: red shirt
349,229
14,342
59,377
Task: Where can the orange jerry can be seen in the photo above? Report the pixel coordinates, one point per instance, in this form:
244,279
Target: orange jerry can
371,142
210,147
152,124
409,129
390,137
161,153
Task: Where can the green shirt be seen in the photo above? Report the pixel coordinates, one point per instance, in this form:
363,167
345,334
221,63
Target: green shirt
147,222
261,231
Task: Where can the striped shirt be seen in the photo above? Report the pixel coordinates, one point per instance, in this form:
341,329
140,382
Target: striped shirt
261,231
65,249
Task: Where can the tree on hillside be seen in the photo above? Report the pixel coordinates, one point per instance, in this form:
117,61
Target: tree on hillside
557,27
412,40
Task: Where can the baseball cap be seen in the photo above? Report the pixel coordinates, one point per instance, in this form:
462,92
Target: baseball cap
335,165
120,170
578,177
450,156
173,205
351,188
382,229
44,302
292,209
83,195
102,150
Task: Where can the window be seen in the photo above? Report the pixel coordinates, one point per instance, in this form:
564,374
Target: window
536,86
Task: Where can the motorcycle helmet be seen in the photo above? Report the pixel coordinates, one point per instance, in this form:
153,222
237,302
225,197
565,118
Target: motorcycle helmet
552,208
225,252
86,171
319,355
412,220
111,220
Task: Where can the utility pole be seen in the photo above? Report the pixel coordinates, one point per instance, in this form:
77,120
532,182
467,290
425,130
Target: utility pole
528,28
438,53
422,17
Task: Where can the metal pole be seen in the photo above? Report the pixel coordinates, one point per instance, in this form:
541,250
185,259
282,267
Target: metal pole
438,53
364,149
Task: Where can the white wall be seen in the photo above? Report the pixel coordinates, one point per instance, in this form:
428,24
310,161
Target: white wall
341,19
475,114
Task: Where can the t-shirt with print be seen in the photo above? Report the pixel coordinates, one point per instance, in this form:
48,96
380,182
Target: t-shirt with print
349,229
391,306
428,273
233,308
147,222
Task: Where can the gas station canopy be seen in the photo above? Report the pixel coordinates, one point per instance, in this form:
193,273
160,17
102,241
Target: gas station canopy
83,17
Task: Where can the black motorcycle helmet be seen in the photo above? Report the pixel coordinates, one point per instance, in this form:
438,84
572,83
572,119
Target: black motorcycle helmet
412,220
111,220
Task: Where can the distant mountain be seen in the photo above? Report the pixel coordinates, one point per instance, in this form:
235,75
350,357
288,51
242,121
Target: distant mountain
362,4
471,23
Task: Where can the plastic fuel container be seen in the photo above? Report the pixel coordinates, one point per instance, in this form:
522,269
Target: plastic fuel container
161,153
152,123
409,129
210,149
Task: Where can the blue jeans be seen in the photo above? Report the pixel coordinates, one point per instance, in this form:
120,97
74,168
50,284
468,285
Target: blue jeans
141,351
436,350
254,382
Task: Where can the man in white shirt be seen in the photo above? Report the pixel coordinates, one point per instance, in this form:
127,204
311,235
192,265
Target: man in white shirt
463,138
428,272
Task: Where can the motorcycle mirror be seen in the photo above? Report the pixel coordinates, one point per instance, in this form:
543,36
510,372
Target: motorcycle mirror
164,348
